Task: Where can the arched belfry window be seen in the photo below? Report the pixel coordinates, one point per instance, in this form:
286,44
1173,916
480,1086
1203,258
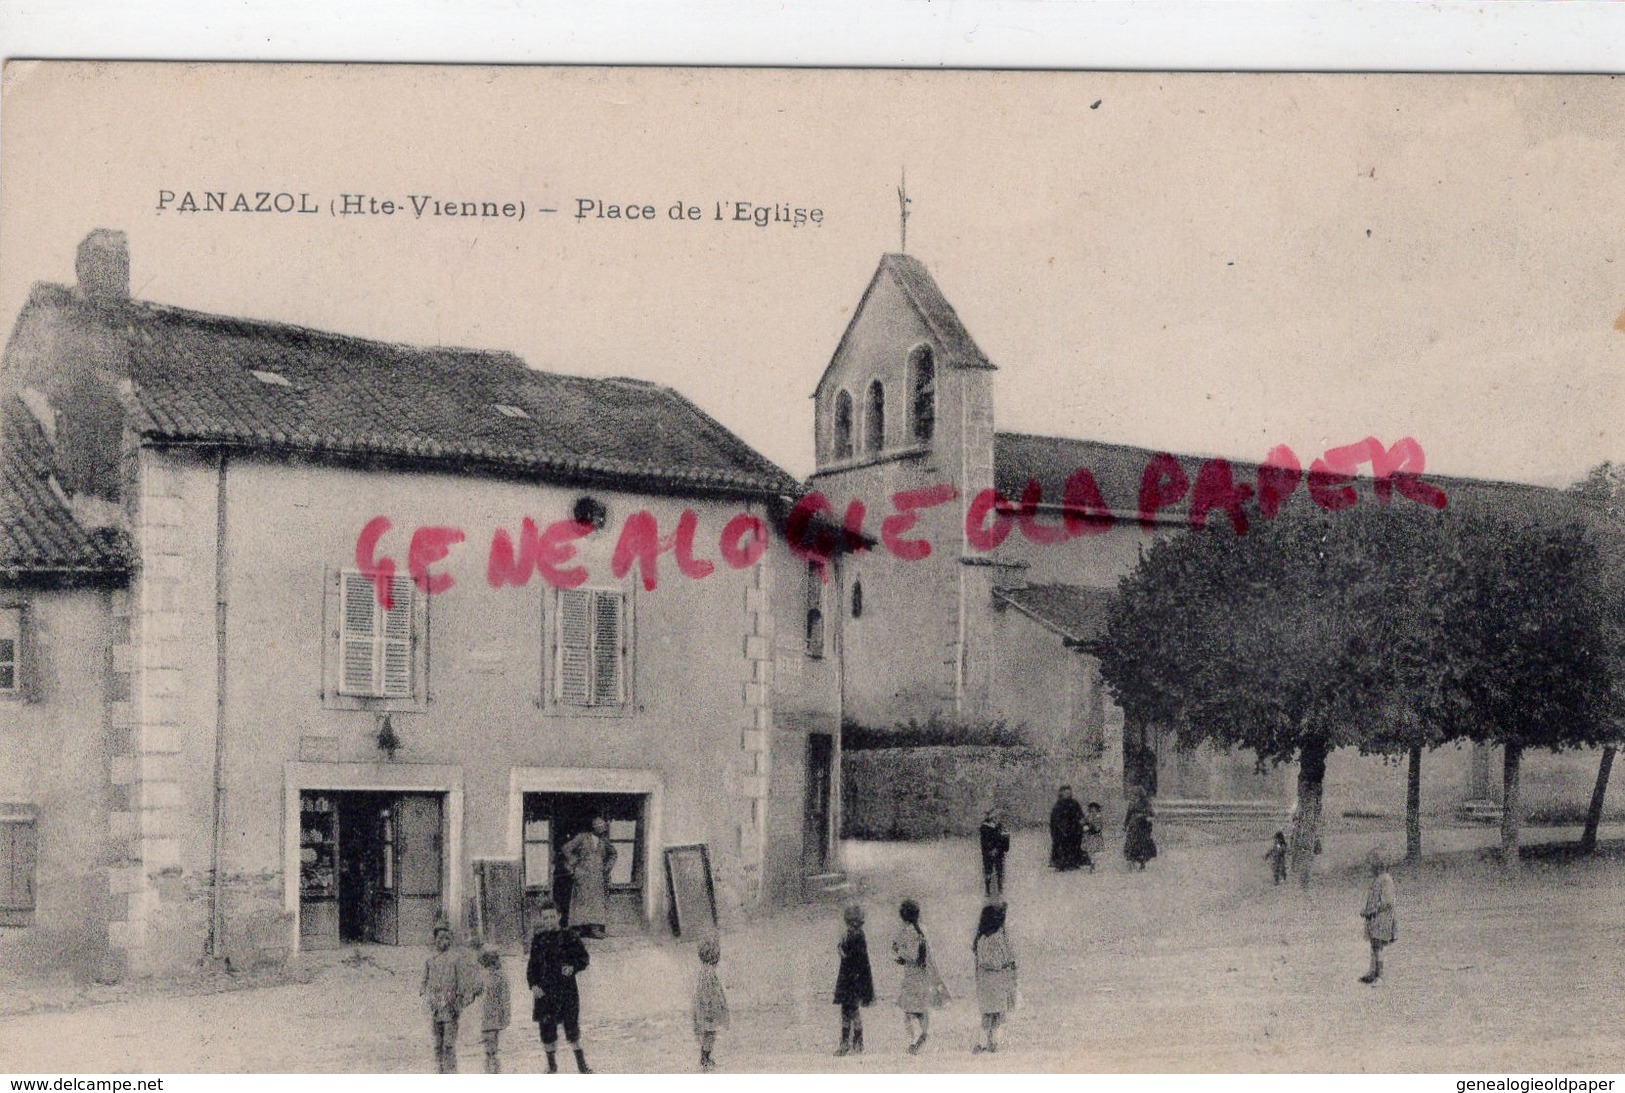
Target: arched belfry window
874,418
922,372
843,425
857,599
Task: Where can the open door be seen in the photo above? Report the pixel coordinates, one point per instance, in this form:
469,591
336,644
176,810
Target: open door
417,857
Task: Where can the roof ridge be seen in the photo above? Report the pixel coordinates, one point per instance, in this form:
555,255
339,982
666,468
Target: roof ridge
100,307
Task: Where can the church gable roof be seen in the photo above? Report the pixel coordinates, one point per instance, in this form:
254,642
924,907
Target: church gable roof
270,386
919,290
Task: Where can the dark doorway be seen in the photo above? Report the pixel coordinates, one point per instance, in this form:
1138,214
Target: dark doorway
816,824
371,866
551,820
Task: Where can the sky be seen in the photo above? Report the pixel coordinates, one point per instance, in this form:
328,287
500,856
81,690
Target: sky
1201,263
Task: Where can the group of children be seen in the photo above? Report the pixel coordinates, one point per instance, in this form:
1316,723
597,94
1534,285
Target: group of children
922,988
557,956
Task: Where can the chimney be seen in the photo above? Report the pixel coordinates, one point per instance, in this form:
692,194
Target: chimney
103,265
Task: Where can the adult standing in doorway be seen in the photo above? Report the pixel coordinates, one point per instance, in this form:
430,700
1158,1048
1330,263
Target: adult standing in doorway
1066,831
590,856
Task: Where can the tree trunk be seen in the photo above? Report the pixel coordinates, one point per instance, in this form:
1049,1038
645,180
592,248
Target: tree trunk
1306,832
1413,807
1509,805
1588,840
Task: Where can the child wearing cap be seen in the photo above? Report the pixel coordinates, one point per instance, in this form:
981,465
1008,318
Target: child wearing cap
447,988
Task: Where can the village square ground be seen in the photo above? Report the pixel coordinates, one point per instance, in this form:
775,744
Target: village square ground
1199,964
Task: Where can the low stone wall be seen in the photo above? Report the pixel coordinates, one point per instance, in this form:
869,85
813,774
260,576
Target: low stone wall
920,793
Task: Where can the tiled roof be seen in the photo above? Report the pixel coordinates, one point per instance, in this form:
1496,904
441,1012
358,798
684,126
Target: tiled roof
918,287
933,307
1019,458
209,379
1076,612
38,533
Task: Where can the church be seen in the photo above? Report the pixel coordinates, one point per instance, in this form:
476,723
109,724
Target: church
990,629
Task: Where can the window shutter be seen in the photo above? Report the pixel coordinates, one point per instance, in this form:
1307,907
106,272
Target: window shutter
608,649
357,610
572,682
395,644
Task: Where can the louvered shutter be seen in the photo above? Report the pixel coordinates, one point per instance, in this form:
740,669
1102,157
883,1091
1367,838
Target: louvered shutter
395,643
607,649
573,668
375,646
358,611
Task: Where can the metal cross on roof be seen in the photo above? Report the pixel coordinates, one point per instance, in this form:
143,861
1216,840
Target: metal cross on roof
902,207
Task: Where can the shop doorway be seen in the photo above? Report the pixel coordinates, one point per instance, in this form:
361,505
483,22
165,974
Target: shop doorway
371,866
551,820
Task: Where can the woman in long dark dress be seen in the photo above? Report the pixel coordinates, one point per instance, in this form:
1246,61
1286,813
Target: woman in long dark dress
1138,845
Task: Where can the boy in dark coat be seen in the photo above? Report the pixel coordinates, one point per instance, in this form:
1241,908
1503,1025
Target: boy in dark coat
995,845
556,958
854,982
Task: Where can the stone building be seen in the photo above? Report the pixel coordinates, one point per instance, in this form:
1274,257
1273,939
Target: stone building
316,635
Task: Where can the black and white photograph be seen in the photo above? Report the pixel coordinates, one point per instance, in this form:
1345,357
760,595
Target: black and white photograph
661,570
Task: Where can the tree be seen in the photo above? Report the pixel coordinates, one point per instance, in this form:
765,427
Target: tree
1388,628
1281,640
1524,662
1601,494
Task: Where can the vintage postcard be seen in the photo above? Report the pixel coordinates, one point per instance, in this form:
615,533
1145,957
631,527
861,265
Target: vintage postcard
809,571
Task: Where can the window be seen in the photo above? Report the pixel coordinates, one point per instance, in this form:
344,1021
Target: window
11,646
923,386
538,850
874,418
17,858
589,660
843,425
375,645
623,836
857,599
815,612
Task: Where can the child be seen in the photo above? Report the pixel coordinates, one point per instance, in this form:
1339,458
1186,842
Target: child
495,1014
1094,835
447,988
922,986
710,1003
1276,856
1381,928
854,982
556,958
995,973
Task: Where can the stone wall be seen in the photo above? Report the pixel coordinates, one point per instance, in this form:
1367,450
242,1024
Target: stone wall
919,793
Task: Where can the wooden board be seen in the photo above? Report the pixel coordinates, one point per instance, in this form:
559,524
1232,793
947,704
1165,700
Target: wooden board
500,893
693,898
